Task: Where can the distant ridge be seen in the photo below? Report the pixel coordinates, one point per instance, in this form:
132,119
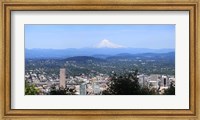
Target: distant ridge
83,59
101,52
169,55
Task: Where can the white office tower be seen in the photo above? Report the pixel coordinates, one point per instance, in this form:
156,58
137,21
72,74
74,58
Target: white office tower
83,89
96,88
62,77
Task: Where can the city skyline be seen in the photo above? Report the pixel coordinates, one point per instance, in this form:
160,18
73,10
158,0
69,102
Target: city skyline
100,59
98,36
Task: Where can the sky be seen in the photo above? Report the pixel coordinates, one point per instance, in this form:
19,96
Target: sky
87,36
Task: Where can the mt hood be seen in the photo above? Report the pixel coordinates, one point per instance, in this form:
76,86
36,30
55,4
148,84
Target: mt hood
107,44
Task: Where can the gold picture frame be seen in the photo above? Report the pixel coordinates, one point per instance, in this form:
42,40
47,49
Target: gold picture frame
144,5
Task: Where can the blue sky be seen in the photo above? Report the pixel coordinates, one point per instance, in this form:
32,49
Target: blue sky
81,36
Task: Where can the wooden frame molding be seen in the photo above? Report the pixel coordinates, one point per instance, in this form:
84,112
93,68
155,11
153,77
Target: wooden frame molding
96,5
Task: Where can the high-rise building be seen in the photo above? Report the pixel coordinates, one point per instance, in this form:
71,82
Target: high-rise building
62,77
96,88
165,81
83,89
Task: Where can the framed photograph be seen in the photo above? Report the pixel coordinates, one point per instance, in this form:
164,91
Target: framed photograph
100,59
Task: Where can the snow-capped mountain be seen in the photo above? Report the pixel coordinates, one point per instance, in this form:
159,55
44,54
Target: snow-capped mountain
107,44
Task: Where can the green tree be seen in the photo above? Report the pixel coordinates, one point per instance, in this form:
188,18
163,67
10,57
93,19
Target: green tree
30,89
148,91
61,91
170,90
126,84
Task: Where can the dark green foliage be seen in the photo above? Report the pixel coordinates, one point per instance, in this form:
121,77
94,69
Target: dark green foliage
146,91
127,84
61,91
170,90
84,59
30,89
54,91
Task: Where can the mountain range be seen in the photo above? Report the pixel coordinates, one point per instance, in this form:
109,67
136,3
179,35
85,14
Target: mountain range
95,52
